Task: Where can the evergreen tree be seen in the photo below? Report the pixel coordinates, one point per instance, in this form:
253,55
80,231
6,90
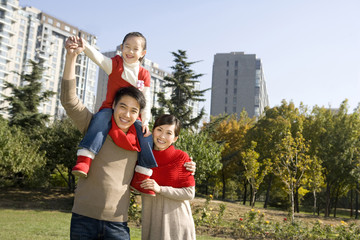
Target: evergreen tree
25,99
182,81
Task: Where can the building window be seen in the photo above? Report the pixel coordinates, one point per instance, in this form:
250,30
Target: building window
67,28
225,109
226,91
227,63
58,24
234,101
257,111
236,63
234,109
225,100
227,82
235,82
50,21
235,91
227,72
235,72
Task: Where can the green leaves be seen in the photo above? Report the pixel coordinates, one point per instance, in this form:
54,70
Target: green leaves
183,81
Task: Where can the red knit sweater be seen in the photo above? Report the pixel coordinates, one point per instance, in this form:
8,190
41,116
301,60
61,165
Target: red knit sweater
171,170
116,82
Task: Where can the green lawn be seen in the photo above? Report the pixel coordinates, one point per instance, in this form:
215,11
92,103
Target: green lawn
44,225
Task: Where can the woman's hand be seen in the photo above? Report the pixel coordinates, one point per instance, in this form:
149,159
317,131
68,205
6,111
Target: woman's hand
150,184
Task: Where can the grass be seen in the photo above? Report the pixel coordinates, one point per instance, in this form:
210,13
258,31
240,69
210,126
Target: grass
45,225
33,224
41,215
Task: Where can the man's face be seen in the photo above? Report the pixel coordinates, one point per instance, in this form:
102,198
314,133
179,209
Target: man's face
126,111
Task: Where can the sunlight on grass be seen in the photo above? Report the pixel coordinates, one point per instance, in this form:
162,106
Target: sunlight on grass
45,225
32,224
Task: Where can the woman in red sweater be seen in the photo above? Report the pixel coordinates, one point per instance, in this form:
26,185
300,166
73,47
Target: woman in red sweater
168,214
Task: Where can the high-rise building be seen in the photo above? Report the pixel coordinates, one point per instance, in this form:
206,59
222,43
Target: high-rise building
238,83
26,34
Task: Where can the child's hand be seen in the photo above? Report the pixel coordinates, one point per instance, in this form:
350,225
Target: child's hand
146,131
190,166
74,45
150,184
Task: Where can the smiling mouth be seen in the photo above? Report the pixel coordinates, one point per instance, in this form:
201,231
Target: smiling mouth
123,120
160,141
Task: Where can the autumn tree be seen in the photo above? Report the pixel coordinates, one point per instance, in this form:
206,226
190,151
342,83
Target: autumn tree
254,170
231,133
291,163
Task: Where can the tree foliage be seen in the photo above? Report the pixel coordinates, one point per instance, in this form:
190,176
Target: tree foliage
60,143
21,162
182,81
205,152
25,100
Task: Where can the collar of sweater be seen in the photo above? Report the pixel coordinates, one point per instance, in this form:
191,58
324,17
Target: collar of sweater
166,156
131,72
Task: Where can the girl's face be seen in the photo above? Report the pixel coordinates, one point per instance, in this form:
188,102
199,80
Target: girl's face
132,49
164,136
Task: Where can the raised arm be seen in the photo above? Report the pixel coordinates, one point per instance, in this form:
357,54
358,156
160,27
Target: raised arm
105,63
74,108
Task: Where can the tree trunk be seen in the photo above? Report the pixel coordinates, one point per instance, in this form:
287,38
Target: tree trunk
336,200
245,192
327,201
351,203
297,200
357,202
292,206
314,207
253,198
224,185
268,192
251,194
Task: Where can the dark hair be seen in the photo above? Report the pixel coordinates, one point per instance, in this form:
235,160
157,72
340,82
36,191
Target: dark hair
136,34
131,92
168,119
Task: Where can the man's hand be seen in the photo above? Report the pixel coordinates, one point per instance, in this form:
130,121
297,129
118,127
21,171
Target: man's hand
190,166
74,45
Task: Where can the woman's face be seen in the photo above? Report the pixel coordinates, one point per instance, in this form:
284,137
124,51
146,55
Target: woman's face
164,136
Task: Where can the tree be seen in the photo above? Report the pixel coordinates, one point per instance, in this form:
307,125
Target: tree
269,131
204,151
231,133
25,100
60,143
182,81
20,161
291,163
334,137
254,170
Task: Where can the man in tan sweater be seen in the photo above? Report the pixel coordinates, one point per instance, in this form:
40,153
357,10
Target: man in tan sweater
101,201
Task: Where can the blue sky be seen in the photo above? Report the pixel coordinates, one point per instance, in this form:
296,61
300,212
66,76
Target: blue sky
310,49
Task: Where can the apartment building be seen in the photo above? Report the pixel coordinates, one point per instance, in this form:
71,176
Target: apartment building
238,83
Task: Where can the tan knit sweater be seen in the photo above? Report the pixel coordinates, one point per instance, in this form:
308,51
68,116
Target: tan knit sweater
105,193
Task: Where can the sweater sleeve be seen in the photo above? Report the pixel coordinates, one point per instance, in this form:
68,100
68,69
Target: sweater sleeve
146,112
74,108
181,194
97,57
